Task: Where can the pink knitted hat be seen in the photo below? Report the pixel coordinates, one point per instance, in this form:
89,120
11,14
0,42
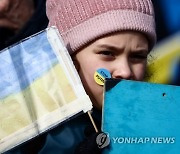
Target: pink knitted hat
82,21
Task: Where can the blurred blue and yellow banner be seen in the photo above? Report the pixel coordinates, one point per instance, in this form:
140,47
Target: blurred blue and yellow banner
164,62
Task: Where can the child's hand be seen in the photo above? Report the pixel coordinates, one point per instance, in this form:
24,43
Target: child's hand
94,142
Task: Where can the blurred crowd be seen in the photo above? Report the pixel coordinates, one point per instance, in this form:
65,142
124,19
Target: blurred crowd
20,19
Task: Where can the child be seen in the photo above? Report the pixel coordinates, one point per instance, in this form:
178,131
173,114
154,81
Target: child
113,34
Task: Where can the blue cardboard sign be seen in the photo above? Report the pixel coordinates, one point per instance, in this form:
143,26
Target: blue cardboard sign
141,117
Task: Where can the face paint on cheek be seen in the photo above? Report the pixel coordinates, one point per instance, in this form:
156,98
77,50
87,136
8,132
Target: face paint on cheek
100,75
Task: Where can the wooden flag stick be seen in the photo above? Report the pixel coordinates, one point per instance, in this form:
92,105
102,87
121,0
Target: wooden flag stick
92,121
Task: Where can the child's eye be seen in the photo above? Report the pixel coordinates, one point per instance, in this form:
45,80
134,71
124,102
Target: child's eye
138,58
106,53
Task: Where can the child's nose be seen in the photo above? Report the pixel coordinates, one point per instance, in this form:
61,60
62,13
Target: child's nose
122,71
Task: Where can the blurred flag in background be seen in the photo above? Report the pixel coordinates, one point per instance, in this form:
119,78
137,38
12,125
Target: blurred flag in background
164,62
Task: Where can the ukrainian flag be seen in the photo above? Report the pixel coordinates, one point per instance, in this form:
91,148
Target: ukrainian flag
164,62
38,88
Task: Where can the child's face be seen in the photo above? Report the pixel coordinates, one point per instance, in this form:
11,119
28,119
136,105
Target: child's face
123,54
